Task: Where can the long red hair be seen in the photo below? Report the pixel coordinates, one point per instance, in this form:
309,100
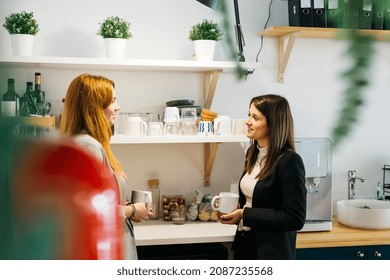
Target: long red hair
86,99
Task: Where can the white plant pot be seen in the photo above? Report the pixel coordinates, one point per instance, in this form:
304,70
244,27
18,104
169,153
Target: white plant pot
115,48
204,49
22,44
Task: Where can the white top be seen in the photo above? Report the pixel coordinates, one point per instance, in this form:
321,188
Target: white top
249,180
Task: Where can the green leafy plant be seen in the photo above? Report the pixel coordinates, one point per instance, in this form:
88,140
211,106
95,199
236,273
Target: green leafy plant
361,51
205,30
21,23
115,27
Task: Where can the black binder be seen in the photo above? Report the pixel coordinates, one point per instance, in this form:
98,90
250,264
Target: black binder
306,13
300,13
350,14
293,12
378,14
386,19
333,12
365,14
319,15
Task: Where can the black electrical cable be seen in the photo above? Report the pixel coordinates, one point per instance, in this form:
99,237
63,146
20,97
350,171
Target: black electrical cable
265,26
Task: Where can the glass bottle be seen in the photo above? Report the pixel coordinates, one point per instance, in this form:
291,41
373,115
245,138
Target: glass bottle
9,102
154,185
61,111
39,94
24,106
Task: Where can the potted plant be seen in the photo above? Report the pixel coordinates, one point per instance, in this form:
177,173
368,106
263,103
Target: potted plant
22,28
115,31
205,36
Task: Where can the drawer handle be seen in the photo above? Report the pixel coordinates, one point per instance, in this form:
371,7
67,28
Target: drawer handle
377,254
360,254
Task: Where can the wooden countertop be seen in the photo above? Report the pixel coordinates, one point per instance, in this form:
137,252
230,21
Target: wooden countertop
341,235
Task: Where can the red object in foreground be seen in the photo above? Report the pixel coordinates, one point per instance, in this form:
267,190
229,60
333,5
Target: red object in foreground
65,203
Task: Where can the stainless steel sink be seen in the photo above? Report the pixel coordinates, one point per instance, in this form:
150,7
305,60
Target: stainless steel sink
364,213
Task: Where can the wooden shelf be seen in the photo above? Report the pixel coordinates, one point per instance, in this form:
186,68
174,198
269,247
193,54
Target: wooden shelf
290,33
47,121
321,33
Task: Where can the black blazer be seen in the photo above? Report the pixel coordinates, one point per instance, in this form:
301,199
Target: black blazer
278,209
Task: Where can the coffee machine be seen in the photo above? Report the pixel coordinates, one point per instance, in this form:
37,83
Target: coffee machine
317,157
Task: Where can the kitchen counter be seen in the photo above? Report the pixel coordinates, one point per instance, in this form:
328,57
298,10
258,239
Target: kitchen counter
341,236
157,232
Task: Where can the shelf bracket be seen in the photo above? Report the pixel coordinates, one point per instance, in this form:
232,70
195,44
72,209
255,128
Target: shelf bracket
210,151
284,53
210,85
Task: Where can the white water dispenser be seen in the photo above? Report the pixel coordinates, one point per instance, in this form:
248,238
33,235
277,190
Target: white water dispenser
317,154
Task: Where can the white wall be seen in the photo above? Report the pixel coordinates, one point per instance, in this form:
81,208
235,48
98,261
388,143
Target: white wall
160,27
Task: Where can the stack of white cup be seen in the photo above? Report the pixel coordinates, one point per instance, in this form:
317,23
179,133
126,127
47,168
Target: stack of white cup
171,121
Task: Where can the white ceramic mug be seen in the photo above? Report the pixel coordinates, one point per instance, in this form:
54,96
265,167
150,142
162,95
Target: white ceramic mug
155,128
239,126
223,125
142,196
136,127
171,114
205,128
227,202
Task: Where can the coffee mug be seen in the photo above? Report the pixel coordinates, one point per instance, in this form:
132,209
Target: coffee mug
239,126
155,128
171,114
227,202
135,127
205,128
142,196
223,125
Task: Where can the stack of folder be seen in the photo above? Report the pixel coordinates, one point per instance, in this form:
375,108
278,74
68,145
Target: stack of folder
358,14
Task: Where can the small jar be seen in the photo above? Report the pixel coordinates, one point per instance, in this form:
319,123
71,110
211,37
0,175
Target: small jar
178,215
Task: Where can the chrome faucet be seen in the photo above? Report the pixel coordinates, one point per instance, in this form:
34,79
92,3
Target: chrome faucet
351,183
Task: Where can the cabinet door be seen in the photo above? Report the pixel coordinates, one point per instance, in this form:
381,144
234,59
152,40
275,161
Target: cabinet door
379,252
333,253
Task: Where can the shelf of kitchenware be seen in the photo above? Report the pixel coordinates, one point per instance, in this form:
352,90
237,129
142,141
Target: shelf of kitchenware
210,69
290,33
210,142
169,139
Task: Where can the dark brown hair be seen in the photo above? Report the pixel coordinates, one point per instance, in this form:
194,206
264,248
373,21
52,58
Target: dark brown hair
276,110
